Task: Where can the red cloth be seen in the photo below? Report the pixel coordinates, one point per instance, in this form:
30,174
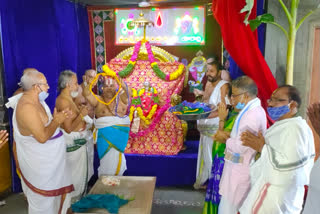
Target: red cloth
241,43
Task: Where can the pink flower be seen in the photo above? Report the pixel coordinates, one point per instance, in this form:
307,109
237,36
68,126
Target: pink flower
149,51
136,50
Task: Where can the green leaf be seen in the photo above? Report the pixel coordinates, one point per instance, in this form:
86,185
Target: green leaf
247,8
264,18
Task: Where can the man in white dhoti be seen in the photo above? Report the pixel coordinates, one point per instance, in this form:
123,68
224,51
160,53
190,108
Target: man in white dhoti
40,148
287,155
81,100
76,133
312,203
113,126
216,91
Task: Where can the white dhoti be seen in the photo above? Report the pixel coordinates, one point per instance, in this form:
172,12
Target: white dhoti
207,128
78,161
113,162
112,138
279,176
43,168
204,163
39,204
90,153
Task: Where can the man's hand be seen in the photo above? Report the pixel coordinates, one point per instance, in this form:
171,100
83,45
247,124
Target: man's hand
3,138
198,92
222,111
314,116
253,141
84,110
61,116
84,79
221,136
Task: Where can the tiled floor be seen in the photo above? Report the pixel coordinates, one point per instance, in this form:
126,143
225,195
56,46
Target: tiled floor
165,201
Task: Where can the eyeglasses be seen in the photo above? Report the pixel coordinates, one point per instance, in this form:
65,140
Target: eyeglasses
276,100
236,95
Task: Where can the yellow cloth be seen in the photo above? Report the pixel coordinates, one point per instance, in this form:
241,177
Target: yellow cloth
5,175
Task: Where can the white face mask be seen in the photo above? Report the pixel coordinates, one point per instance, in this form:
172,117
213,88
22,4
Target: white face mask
74,94
43,95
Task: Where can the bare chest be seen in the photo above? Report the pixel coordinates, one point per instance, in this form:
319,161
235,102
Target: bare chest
43,114
114,109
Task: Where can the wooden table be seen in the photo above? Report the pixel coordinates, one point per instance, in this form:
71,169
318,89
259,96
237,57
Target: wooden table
141,188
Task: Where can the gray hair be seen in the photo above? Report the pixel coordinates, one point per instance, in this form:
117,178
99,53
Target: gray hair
64,79
29,78
245,83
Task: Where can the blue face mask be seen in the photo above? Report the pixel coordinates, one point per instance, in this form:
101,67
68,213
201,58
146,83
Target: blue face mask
240,105
43,96
276,112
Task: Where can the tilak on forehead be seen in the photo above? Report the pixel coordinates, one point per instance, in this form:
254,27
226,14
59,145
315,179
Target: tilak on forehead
108,80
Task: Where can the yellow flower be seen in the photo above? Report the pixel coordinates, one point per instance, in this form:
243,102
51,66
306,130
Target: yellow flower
141,92
152,111
154,63
132,108
108,71
134,92
177,73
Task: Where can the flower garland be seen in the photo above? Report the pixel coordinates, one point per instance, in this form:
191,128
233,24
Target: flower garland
110,73
154,65
150,115
156,69
129,68
136,105
155,121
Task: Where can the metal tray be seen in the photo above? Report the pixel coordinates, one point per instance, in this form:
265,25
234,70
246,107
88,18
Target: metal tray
191,117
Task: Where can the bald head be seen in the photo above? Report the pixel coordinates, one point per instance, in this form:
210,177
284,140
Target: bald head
89,76
31,77
90,71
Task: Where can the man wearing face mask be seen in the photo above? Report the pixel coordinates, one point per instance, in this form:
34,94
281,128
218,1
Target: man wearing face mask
76,132
40,151
113,124
287,156
216,91
235,180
